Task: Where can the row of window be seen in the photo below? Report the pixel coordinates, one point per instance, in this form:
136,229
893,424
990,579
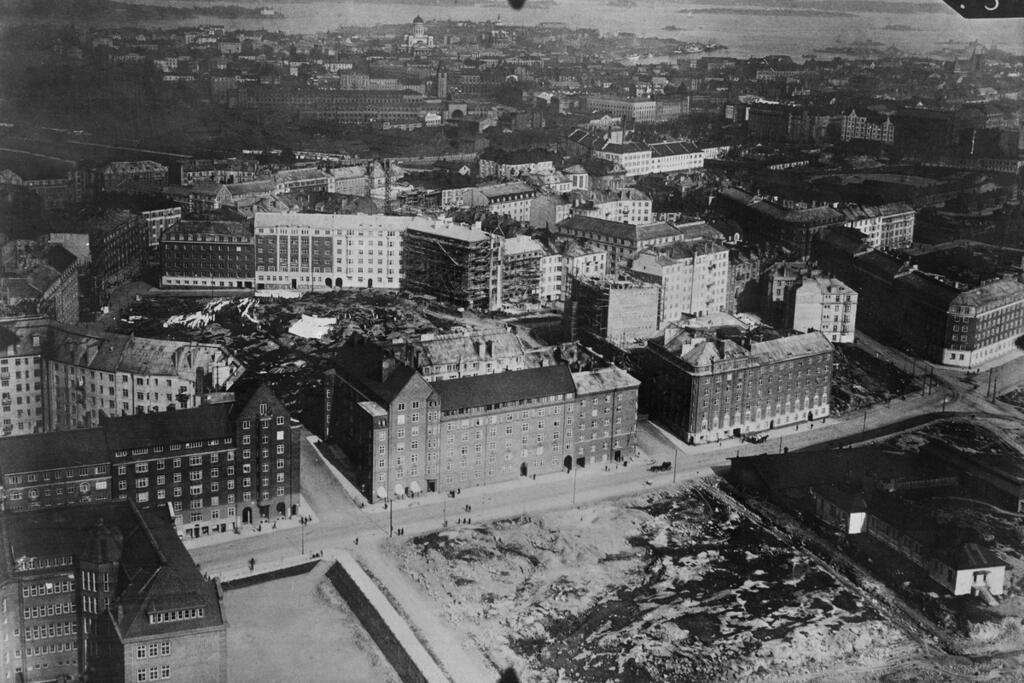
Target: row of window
176,615
51,610
55,630
153,673
49,588
161,649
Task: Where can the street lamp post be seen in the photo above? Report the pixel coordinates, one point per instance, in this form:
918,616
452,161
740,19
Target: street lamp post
574,470
303,522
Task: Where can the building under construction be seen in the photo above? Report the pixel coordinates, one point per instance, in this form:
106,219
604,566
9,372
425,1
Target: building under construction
455,262
622,311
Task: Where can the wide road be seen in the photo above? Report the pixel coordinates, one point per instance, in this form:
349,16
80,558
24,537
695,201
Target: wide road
342,526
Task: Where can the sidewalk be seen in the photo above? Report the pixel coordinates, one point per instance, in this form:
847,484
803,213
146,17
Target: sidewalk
350,490
257,529
454,651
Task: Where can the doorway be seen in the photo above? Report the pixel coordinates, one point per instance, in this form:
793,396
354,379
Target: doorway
522,469
246,515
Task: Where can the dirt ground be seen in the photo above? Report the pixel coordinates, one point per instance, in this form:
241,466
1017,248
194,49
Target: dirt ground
299,629
656,588
860,380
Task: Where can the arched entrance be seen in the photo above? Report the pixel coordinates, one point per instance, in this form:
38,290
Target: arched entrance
369,283
282,509
567,463
247,515
328,282
810,415
522,469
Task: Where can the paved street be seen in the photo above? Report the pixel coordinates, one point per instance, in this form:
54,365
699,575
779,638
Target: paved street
341,525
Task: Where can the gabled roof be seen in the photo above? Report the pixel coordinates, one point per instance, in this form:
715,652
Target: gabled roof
504,387
192,424
362,365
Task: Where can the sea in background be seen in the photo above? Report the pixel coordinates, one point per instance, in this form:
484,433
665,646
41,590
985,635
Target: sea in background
746,28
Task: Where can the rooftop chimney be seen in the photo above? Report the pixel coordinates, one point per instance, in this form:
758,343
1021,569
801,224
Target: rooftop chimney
387,368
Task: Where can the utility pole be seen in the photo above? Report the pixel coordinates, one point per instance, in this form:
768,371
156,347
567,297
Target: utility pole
574,470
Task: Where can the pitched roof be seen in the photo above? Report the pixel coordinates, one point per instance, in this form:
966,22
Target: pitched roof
193,424
53,450
362,365
599,226
504,387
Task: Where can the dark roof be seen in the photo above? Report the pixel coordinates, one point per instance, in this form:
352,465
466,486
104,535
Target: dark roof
615,229
58,258
156,569
504,387
53,450
362,365
192,424
8,338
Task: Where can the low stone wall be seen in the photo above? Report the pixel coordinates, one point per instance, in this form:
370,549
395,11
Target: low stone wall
388,629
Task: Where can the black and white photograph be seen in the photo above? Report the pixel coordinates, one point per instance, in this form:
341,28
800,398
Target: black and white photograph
511,341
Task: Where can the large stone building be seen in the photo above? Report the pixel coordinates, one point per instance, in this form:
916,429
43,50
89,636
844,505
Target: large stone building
941,320
105,592
54,376
874,127
824,304
886,226
407,435
209,253
232,461
133,177
694,278
456,262
325,251
767,223
622,241
345,107
704,389
119,247
624,206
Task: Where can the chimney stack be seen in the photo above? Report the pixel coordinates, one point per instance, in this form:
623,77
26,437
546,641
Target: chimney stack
387,368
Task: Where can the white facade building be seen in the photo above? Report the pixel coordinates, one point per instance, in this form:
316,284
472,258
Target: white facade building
325,251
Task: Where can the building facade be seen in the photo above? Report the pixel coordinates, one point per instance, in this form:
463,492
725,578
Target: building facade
106,592
208,254
706,389
694,277
455,262
887,226
318,252
55,377
826,305
622,311
408,435
216,467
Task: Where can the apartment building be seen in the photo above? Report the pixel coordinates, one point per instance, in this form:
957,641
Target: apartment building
622,241
208,254
407,435
693,276
231,461
625,206
704,389
824,304
54,376
872,127
886,226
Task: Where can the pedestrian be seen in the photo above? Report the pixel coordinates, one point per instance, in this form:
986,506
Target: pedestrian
252,563
357,540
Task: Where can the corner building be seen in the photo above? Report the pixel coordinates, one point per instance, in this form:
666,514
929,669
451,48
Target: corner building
408,435
105,592
708,389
